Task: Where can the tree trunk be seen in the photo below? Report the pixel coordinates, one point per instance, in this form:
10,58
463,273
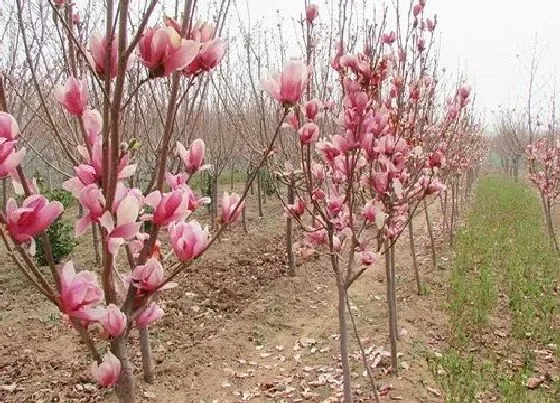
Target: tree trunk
95,241
452,219
413,254
259,190
430,234
289,233
345,362
4,193
394,291
214,197
146,349
231,178
390,307
125,387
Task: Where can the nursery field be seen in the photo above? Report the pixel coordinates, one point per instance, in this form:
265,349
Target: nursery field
223,201
239,329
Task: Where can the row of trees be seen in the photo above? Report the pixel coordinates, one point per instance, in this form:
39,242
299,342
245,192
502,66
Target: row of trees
360,131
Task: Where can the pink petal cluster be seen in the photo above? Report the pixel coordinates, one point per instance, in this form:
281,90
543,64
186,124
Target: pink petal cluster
10,157
192,158
126,227
98,55
188,240
287,87
148,277
79,293
35,215
107,373
73,96
232,207
168,207
113,320
311,12
150,315
163,51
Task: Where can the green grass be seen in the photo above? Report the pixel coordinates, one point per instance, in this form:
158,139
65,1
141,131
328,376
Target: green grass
502,250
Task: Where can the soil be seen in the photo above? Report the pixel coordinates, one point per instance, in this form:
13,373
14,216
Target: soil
237,328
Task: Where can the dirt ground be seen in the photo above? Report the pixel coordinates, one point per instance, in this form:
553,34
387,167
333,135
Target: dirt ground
239,329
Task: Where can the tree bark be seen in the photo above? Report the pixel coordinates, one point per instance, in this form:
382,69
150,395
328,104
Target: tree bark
289,233
413,254
95,241
259,194
125,387
390,307
345,362
430,234
146,349
214,198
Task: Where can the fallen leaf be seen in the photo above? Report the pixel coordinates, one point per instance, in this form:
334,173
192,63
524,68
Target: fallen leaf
435,392
534,383
8,388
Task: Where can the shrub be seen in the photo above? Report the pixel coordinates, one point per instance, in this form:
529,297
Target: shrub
60,233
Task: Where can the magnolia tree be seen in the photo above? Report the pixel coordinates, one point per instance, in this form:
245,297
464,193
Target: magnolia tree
361,182
130,221
544,165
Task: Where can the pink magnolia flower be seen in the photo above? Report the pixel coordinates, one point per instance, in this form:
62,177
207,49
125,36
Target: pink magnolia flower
8,127
389,144
369,211
176,181
288,86
113,320
417,9
9,157
436,159
76,19
430,24
168,207
93,123
366,257
151,314
421,44
389,38
312,108
381,182
297,209
107,373
98,52
292,120
203,32
149,276
231,207
92,200
209,56
125,227
194,201
308,133
465,90
311,12
79,293
193,157
162,51
73,96
34,216
188,240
